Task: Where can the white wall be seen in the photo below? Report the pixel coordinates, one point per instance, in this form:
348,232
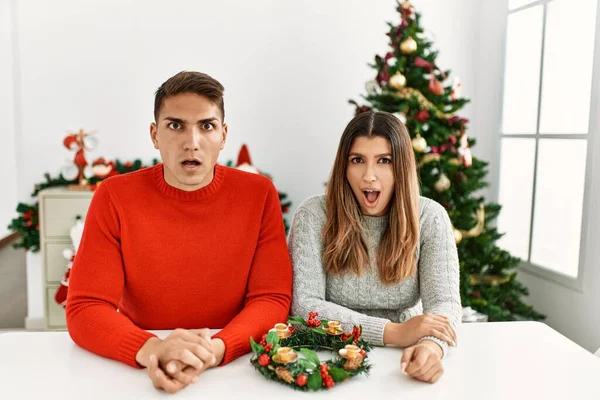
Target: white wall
8,166
288,69
576,314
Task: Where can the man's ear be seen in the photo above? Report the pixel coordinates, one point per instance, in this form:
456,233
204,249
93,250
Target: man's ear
224,136
153,134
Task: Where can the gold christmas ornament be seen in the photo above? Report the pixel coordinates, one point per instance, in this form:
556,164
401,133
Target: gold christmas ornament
397,81
442,184
419,144
457,236
408,46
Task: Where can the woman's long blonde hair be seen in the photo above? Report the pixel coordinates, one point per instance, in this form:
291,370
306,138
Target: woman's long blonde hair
344,248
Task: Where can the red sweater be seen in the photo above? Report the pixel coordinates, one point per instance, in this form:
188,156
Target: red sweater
211,258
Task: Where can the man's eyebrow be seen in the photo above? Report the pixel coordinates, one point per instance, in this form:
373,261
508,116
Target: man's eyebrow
173,119
209,119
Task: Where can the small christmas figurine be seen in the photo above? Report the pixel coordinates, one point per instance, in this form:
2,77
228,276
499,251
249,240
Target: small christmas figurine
244,162
69,253
80,170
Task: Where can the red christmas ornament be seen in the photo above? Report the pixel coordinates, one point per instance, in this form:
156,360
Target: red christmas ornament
435,86
301,380
456,119
422,116
264,360
362,109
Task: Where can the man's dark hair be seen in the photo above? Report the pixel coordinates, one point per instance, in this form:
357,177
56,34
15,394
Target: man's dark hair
190,82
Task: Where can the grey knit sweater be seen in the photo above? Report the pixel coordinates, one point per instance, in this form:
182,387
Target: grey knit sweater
364,299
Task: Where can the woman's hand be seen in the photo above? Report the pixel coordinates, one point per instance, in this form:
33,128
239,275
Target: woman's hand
410,332
423,361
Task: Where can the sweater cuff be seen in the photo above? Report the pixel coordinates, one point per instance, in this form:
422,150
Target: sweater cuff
235,345
372,329
439,342
131,344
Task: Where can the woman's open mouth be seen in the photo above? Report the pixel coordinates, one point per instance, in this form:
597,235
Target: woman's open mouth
371,197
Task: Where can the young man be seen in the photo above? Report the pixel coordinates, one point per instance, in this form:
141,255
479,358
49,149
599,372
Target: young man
186,244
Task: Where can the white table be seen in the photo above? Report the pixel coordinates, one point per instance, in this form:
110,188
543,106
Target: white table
515,360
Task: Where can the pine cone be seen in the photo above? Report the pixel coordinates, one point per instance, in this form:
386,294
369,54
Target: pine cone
353,363
284,374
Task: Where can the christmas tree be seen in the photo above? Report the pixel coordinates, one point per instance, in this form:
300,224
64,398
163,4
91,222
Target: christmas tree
410,85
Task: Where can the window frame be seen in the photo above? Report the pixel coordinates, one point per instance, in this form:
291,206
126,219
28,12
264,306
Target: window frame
575,283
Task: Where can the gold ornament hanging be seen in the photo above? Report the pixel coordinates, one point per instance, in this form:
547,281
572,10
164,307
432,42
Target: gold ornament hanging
442,184
408,46
457,236
397,81
419,144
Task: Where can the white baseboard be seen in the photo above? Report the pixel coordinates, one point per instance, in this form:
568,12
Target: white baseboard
34,324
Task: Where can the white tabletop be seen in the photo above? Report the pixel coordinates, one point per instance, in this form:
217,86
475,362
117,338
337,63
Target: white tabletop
514,360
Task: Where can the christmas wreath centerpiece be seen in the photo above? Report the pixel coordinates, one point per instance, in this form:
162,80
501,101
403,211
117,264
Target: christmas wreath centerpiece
287,353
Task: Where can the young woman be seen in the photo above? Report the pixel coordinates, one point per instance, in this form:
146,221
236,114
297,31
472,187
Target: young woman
372,252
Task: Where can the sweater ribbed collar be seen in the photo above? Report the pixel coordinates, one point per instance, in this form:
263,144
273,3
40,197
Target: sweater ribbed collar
200,194
375,223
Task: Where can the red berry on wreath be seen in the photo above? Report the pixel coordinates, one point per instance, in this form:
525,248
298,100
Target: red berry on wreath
264,360
268,347
301,380
329,383
363,353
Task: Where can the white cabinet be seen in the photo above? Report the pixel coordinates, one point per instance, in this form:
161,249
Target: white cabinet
59,208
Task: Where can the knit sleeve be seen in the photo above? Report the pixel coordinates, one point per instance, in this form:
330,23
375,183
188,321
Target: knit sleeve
306,248
269,287
439,268
95,288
